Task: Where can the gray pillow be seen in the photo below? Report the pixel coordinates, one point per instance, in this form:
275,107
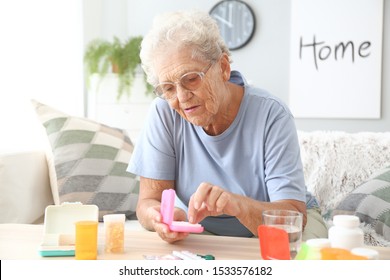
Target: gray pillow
371,203
88,162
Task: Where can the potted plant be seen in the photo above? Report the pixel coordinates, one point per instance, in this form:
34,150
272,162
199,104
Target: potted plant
122,58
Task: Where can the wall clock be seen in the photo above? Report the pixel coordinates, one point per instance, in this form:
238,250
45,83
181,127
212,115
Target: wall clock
236,21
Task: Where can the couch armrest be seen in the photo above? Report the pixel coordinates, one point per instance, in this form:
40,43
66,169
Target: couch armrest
24,187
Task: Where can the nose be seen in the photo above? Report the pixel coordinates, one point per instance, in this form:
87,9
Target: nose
183,94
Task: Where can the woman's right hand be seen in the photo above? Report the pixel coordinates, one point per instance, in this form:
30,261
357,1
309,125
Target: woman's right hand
162,229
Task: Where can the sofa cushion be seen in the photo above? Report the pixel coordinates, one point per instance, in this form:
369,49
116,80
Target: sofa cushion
88,162
24,187
371,203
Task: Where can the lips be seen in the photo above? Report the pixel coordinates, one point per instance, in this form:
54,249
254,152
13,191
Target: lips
191,109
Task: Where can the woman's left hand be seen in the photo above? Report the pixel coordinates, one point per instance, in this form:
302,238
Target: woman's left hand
211,200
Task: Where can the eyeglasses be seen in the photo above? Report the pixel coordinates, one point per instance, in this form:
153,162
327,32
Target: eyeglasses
189,81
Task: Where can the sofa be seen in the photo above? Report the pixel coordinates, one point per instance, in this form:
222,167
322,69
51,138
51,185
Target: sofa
85,161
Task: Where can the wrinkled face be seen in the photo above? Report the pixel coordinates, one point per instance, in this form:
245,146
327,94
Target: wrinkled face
202,106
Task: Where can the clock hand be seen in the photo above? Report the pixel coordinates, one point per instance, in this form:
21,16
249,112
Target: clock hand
224,21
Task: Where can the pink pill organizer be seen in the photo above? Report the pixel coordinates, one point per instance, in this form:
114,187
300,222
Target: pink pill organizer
167,206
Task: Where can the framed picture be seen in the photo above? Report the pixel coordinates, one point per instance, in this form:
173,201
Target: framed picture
336,58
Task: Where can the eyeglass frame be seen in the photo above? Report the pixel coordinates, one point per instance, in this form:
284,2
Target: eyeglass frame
201,74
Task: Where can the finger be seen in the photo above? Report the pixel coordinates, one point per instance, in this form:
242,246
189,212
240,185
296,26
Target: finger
192,212
201,194
153,213
196,215
157,218
167,235
175,236
222,201
161,228
213,197
200,215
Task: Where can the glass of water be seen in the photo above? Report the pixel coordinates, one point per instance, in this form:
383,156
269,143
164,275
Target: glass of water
289,221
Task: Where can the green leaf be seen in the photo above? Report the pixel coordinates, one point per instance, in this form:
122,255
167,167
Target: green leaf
101,56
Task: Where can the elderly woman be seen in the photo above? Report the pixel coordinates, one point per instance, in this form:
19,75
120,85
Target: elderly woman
228,149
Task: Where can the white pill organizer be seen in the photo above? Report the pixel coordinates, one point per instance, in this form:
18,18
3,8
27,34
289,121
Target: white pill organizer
59,227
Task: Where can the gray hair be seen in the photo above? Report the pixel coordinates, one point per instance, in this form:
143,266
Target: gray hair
186,29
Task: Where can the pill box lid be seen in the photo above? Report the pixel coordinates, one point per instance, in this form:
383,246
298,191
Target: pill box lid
61,219
59,226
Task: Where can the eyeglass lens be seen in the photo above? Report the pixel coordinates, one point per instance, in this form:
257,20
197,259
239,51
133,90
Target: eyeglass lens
190,81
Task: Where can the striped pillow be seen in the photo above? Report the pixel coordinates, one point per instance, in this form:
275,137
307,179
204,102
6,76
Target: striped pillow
371,203
88,162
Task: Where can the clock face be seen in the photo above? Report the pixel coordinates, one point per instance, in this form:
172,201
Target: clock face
236,22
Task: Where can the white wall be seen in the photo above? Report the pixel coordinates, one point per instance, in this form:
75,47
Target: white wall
265,60
41,58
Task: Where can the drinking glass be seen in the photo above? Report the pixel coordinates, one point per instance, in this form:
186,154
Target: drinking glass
289,221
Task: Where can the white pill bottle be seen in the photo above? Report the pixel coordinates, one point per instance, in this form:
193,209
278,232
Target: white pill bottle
346,233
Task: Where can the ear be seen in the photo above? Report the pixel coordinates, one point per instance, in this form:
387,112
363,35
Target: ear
225,67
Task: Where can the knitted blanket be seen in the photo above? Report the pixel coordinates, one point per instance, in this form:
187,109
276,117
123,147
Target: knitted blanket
335,163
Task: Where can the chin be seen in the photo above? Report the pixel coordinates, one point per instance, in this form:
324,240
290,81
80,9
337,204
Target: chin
196,121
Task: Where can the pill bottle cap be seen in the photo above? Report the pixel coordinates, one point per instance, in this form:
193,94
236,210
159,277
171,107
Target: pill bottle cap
318,242
370,254
114,218
348,221
332,253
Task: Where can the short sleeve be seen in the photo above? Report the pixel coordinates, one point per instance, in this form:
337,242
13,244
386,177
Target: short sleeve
154,155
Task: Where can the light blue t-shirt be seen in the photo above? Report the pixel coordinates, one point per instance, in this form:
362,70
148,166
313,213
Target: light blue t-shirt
257,156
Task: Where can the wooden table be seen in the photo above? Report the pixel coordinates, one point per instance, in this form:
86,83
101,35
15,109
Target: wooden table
21,241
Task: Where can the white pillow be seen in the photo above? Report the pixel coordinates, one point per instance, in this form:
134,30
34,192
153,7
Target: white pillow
24,187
